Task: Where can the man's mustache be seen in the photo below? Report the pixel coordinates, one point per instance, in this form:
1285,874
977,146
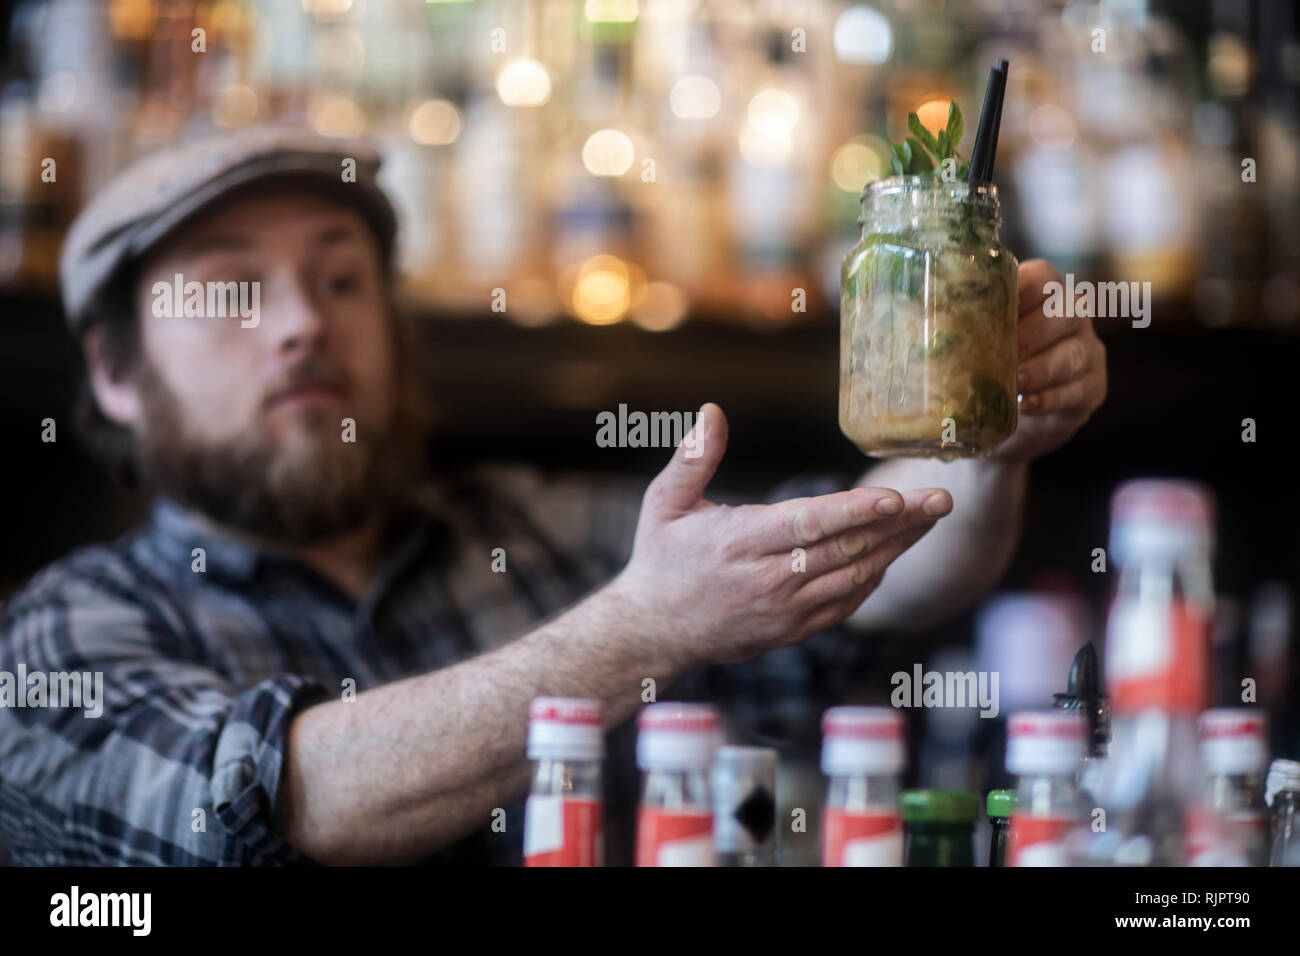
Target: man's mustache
313,372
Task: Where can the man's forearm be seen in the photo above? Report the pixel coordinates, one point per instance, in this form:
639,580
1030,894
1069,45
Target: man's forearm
964,554
414,765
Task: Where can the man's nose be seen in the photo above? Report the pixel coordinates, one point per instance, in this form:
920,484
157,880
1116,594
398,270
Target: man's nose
295,319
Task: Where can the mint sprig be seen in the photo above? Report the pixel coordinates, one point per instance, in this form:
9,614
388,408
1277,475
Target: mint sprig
923,153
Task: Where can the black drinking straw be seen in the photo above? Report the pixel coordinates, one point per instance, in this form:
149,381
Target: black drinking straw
986,138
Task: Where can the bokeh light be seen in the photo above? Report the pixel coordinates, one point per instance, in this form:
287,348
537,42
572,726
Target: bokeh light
856,163
608,152
524,82
434,123
695,97
863,35
603,293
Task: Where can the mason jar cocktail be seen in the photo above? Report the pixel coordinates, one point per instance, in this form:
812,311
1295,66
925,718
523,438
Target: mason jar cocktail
928,312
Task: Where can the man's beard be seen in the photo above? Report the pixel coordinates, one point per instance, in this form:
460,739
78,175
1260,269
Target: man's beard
307,488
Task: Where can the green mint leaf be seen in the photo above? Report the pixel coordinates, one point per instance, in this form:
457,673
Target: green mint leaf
921,133
895,165
989,405
955,125
921,163
945,147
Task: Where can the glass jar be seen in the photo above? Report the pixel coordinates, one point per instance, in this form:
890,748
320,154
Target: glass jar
928,313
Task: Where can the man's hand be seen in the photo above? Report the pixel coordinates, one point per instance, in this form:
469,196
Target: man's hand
724,584
1062,374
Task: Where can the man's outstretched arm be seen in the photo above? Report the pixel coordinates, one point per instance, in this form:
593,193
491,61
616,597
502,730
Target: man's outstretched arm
412,766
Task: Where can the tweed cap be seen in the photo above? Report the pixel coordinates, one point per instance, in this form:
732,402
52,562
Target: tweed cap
141,207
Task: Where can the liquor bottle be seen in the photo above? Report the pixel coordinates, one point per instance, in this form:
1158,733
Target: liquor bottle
862,754
1044,749
562,818
1157,649
1283,795
999,806
744,806
939,827
1236,755
675,747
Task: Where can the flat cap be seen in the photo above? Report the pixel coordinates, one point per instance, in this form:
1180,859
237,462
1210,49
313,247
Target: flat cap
145,203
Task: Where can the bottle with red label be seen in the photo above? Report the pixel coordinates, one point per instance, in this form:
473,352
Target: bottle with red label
675,747
1044,750
562,819
863,755
1157,652
1233,745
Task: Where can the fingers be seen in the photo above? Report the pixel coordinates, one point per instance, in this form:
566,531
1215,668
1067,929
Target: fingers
1037,331
804,522
831,614
679,488
845,547
1080,397
1032,282
1062,362
840,584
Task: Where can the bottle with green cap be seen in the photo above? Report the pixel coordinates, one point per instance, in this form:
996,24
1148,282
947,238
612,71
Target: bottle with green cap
939,827
999,805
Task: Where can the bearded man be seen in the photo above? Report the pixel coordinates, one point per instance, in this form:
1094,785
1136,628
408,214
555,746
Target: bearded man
306,653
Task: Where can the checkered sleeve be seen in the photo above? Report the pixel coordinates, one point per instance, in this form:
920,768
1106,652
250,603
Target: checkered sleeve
161,760
588,518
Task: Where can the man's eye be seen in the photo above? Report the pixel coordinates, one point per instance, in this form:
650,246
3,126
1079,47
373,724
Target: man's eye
342,284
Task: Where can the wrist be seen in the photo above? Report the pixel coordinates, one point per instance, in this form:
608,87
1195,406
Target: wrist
645,641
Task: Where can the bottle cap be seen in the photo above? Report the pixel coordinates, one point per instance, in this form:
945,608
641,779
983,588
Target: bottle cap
674,736
565,728
744,799
1232,740
1282,775
1000,804
1045,742
938,806
859,740
1160,518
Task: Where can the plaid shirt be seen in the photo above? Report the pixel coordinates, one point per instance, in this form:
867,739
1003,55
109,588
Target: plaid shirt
204,672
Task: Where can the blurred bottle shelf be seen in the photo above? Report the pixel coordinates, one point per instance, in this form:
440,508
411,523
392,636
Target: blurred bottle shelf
656,160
